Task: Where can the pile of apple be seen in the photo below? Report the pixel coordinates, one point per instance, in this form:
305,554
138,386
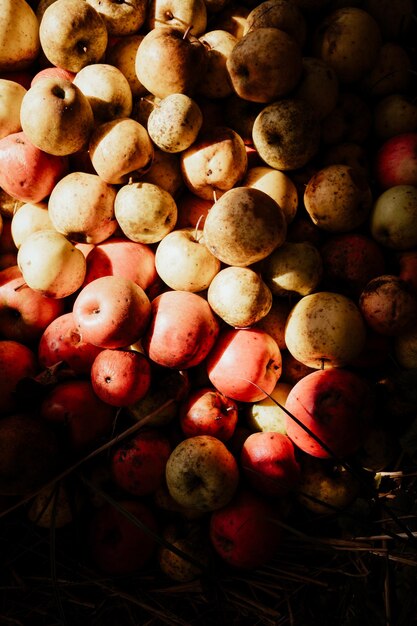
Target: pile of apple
208,256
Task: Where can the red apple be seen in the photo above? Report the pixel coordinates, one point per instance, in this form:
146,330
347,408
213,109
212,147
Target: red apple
117,545
138,464
336,406
27,173
61,341
268,461
119,256
244,364
24,313
182,330
76,411
52,72
24,78
206,411
396,161
112,312
407,261
192,210
243,533
17,361
350,261
121,377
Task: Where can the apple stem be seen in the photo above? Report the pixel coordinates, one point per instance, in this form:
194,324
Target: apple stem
214,195
149,101
19,287
197,227
187,31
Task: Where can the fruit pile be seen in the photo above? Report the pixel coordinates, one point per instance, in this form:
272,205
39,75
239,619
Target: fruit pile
208,277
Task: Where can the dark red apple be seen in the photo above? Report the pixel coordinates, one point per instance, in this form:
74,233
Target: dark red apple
396,161
206,411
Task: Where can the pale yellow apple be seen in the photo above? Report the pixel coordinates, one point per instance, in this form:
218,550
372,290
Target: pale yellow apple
165,172
120,149
19,35
277,185
145,212
51,264
81,207
107,90
267,416
72,34
11,96
28,219
122,55
239,296
325,329
274,322
217,82
178,14
121,18
174,123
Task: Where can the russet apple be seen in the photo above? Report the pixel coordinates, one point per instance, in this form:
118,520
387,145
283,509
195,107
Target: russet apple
388,305
175,122
244,364
201,473
112,312
182,330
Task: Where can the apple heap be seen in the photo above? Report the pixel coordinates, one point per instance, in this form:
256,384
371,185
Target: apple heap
218,191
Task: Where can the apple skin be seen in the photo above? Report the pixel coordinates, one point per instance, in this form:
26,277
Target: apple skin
336,405
182,330
52,72
407,268
77,413
396,161
120,377
27,173
17,361
116,545
112,312
243,532
208,412
61,341
119,256
24,313
269,463
138,464
241,359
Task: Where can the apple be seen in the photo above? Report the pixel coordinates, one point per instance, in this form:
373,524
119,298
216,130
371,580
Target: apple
214,163
120,377
407,267
217,83
201,473
325,329
405,348
192,210
30,454
239,296
350,120
61,341
292,369
276,184
392,72
52,72
293,269
17,361
107,90
19,36
81,207
165,172
336,406
318,85
77,414
274,321
178,13
393,218
348,153
350,261
11,96
24,312
338,198
244,226
269,463
206,411
122,55
388,305
267,415
138,463
28,219
174,122
184,262
244,364
72,34
112,312
145,212
265,65
233,19
121,540
396,114
286,17
245,533
56,116
192,540
182,330
51,264
119,256
121,18
27,173
396,161
171,60
52,507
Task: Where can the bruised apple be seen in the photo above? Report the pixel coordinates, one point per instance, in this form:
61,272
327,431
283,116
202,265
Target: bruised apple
244,364
182,330
334,409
